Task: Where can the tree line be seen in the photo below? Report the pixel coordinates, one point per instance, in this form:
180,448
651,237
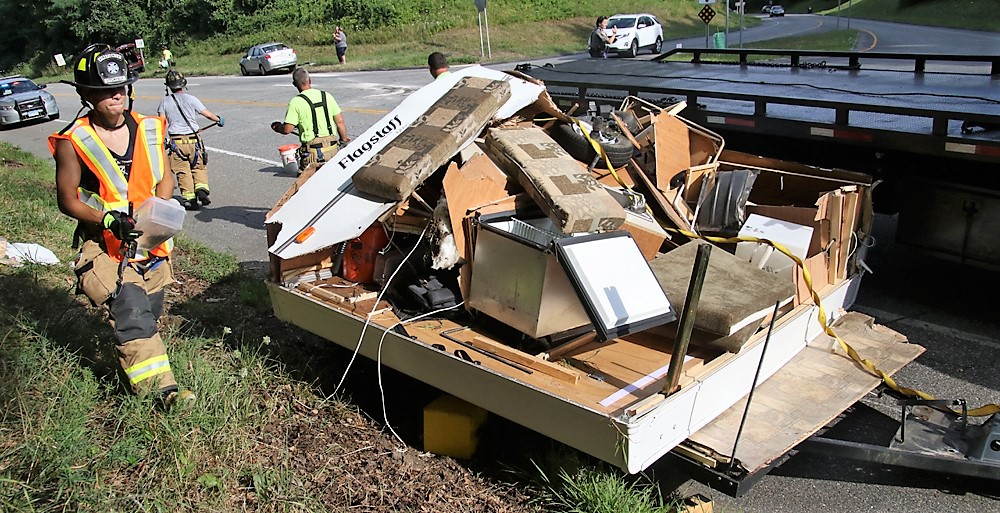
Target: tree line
35,30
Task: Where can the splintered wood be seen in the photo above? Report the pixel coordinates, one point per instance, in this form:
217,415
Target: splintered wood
346,295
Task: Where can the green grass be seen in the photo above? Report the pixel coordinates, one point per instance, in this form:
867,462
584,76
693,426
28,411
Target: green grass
962,14
71,439
836,40
572,483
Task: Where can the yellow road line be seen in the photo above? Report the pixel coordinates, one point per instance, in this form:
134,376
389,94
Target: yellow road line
874,39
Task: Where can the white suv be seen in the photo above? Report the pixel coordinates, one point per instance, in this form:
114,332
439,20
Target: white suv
635,32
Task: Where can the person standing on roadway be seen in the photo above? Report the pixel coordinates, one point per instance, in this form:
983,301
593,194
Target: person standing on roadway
599,38
317,117
106,161
188,158
438,65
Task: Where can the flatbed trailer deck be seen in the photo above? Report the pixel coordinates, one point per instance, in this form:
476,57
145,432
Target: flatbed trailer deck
894,102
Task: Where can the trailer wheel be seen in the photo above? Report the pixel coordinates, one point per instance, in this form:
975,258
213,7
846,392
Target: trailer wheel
616,146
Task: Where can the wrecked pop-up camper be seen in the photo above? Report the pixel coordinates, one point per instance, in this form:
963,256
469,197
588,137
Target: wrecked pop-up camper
482,241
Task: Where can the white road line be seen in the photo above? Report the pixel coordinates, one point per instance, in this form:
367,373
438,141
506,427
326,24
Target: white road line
884,317
248,157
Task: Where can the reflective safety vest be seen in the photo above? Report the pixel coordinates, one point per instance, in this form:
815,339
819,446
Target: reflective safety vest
149,163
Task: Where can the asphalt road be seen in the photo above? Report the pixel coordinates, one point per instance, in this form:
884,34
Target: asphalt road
937,304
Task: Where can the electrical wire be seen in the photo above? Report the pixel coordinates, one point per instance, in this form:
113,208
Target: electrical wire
378,366
368,317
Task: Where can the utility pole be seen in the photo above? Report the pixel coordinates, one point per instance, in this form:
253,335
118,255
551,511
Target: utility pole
727,23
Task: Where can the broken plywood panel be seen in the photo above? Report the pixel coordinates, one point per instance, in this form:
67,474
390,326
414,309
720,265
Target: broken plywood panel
809,392
477,183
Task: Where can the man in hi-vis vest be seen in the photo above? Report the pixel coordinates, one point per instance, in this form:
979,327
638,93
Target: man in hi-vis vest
318,119
107,160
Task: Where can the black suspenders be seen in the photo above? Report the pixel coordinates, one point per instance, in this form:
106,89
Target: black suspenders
313,107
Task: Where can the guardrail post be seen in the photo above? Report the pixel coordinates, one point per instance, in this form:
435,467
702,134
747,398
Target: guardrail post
919,65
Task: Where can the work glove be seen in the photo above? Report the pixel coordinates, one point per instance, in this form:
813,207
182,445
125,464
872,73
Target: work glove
276,126
119,224
221,121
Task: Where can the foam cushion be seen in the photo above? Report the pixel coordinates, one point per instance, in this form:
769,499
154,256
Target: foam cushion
735,295
458,116
565,191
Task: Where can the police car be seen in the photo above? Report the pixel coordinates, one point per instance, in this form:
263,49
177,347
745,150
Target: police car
23,100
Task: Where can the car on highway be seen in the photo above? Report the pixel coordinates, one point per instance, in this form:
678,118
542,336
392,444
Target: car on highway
267,58
635,32
776,10
23,100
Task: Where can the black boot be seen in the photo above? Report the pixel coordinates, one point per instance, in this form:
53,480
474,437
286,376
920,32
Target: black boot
190,204
203,196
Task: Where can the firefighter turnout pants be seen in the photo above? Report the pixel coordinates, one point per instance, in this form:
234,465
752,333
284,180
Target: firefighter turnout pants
320,149
188,160
134,314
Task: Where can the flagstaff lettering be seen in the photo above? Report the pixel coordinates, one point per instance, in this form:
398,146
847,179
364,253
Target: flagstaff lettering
393,125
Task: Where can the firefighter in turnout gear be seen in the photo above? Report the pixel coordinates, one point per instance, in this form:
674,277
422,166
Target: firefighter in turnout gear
318,119
188,158
106,161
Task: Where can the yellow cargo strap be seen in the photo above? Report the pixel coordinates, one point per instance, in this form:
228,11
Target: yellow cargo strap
982,411
600,151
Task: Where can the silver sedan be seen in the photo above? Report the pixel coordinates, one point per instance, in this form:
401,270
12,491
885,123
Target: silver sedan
268,57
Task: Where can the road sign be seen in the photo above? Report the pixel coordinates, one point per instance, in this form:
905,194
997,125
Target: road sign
140,44
480,5
706,14
706,1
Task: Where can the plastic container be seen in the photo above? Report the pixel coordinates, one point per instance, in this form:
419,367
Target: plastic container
360,254
288,157
158,220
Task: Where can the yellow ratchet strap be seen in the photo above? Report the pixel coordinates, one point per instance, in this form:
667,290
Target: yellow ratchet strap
600,151
982,411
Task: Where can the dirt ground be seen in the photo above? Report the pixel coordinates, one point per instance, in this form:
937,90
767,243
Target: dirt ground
335,450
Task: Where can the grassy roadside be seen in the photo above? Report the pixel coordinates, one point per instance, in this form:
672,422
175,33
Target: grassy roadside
70,439
960,14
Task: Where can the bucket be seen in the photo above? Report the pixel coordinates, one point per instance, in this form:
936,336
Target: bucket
288,158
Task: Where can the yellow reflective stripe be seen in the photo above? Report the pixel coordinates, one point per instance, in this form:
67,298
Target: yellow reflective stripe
101,157
153,132
92,199
148,368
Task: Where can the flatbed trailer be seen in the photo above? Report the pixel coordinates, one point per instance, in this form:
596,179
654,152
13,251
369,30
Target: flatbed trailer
928,125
